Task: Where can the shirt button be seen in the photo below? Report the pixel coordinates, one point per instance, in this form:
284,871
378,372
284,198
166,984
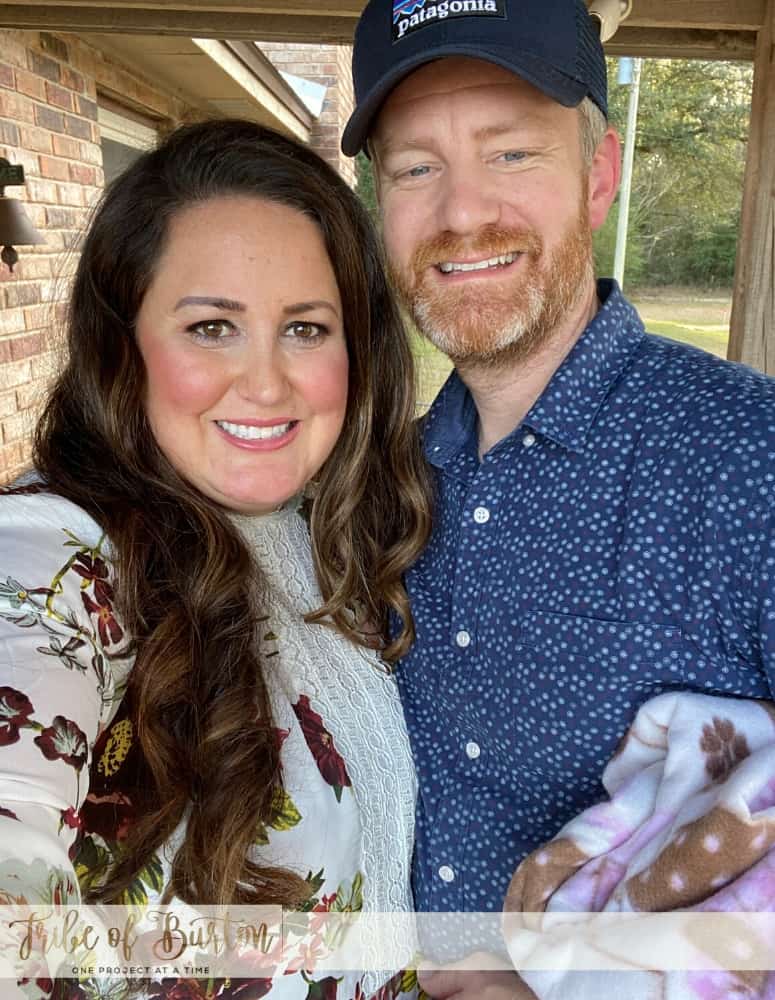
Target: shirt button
529,440
481,515
472,750
446,874
463,638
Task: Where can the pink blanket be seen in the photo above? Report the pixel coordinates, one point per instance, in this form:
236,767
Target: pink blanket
688,829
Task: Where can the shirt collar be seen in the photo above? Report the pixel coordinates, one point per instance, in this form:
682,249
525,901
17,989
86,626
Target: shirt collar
567,408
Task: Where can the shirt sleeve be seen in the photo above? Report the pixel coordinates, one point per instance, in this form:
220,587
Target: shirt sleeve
57,636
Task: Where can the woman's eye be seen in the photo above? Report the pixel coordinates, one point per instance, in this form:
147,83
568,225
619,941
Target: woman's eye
211,330
306,331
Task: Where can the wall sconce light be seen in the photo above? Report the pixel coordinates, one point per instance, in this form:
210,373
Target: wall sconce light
15,227
610,14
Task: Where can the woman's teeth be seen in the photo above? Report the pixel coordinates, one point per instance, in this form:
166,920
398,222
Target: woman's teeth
249,433
447,267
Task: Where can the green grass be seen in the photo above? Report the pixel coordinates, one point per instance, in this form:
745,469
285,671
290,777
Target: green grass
708,338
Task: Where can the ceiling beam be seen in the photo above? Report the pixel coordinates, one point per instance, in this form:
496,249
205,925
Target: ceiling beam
709,15
318,8
314,20
682,43
190,24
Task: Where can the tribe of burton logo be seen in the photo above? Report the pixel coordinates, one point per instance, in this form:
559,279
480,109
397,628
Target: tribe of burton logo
409,15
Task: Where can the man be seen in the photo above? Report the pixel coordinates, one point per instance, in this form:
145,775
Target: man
605,526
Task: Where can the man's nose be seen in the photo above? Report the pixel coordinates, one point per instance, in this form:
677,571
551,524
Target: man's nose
468,203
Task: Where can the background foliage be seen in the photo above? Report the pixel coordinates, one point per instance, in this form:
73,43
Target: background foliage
688,178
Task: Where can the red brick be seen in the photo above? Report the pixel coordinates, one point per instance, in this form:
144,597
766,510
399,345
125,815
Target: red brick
65,146
22,294
37,317
5,351
42,191
35,139
63,218
30,395
71,194
31,85
9,134
92,153
35,213
86,108
31,266
13,458
11,321
17,427
17,107
14,373
6,76
78,127
43,66
72,80
48,118
82,174
27,159
54,45
43,366
28,346
13,48
8,404
54,168
59,97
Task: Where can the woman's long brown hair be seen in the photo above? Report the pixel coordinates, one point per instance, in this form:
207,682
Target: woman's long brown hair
186,584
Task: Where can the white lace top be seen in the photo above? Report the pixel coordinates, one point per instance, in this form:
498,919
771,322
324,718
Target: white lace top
346,823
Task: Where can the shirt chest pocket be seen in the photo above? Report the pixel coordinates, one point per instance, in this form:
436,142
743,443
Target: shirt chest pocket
573,686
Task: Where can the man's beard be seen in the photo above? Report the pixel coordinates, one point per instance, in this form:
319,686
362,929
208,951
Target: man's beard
490,323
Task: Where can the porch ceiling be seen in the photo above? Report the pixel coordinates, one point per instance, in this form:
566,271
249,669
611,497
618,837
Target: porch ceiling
695,28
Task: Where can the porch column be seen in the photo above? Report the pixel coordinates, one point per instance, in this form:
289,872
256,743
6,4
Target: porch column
752,333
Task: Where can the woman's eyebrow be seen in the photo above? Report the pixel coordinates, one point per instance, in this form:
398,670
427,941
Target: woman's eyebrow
216,301
297,308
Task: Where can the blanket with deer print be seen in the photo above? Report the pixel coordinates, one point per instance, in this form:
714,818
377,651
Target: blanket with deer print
688,829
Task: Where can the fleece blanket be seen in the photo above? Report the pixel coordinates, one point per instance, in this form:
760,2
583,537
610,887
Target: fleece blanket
687,833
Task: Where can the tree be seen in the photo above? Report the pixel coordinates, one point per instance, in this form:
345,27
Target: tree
689,164
365,184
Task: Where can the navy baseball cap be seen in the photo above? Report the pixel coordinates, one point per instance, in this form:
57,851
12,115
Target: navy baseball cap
553,44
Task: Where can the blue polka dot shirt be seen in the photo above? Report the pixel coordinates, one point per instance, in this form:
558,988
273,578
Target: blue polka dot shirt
620,542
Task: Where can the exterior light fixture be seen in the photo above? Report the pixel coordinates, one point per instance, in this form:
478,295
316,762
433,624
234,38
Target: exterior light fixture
15,227
610,14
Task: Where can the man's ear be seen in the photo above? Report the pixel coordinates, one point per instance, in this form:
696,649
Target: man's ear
603,180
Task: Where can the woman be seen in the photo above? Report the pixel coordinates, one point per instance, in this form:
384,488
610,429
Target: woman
194,703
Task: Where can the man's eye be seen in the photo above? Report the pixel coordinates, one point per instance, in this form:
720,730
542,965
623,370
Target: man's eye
211,330
513,156
419,171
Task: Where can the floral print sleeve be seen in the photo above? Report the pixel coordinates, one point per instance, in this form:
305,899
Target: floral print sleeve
62,662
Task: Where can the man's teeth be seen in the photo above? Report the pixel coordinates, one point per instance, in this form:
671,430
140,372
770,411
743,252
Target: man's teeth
248,433
448,267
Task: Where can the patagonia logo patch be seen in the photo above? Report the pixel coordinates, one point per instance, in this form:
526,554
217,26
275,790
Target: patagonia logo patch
411,15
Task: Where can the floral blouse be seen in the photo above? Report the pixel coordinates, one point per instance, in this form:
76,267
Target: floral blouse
348,809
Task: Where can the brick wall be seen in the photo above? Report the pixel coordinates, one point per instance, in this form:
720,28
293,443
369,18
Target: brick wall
48,123
328,65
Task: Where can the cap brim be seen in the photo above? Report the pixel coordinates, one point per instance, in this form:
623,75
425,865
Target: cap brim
564,89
